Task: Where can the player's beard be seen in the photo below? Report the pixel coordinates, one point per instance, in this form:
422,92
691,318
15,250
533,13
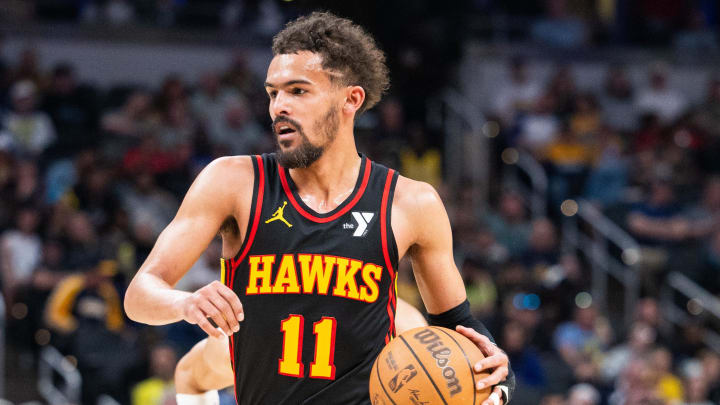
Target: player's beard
305,154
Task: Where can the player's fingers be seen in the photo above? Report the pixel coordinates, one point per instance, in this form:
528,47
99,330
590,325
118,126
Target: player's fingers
493,379
234,302
483,342
495,397
226,312
469,333
493,361
214,313
206,326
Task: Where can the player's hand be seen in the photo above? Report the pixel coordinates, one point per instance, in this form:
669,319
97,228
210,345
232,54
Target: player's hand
496,363
217,302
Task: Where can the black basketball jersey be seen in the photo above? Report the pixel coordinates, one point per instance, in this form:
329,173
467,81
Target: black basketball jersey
318,290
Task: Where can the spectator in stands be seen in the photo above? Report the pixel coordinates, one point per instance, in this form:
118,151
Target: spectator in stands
608,178
419,160
95,196
581,341
583,394
86,316
638,345
390,132
133,119
670,387
149,206
696,385
28,68
73,109
647,311
704,217
20,253
553,399
707,114
158,388
711,370
543,249
616,101
560,27
27,130
210,101
239,76
564,90
509,223
481,290
83,249
523,356
656,220
516,93
658,98
585,120
637,385
539,129
697,37
177,127
567,160
237,131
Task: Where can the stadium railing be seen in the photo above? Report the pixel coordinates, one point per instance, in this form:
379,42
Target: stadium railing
680,288
52,363
608,249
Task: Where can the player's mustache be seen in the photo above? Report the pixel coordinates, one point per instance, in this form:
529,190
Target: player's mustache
281,119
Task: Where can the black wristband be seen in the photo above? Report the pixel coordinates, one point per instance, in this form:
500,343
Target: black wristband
461,315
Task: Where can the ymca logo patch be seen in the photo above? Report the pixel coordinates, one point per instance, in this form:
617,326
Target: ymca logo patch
362,223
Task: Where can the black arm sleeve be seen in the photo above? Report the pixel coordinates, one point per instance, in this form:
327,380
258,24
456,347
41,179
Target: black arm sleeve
461,315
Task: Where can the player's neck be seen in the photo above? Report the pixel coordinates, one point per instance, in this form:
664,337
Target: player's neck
327,182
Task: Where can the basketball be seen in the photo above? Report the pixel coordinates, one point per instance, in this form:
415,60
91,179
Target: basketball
427,365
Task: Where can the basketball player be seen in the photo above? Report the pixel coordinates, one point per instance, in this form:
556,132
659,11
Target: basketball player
312,236
206,367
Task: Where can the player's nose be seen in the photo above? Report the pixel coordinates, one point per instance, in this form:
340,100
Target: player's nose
281,104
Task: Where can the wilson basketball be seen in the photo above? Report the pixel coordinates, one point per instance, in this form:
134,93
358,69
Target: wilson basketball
427,365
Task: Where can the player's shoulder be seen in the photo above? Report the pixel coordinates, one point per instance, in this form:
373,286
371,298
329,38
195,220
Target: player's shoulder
226,169
225,173
415,195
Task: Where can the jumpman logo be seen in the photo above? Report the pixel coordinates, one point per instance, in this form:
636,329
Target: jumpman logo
278,215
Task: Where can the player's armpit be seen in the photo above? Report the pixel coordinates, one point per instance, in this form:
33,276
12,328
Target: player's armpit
205,367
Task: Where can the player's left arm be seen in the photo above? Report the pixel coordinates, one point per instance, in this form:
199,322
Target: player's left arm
441,285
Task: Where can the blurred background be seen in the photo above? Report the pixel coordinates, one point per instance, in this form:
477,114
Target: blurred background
576,144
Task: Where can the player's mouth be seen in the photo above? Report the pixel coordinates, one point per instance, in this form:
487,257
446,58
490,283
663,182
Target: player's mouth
284,131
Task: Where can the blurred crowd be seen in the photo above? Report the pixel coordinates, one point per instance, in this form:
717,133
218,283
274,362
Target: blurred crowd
646,157
90,175
688,26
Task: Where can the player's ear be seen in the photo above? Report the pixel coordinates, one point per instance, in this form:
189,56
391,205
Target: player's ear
354,99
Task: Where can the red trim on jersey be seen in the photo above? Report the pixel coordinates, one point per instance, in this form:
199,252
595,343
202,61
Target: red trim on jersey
232,363
256,220
386,254
343,211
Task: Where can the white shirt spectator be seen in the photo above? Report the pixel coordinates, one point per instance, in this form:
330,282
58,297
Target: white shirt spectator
666,103
23,253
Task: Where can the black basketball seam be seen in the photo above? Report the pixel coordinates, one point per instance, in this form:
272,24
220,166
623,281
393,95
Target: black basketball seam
472,374
424,369
377,368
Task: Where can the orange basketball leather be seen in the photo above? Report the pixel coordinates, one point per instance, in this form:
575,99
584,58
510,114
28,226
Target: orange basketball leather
427,365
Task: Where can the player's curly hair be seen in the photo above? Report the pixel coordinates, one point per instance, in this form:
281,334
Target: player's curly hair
345,48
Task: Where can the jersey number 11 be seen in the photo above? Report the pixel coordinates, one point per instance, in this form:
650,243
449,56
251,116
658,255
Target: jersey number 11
291,362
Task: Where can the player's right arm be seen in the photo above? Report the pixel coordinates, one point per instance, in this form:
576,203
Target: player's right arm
150,298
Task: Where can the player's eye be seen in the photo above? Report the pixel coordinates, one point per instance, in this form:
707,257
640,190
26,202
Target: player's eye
298,91
272,94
